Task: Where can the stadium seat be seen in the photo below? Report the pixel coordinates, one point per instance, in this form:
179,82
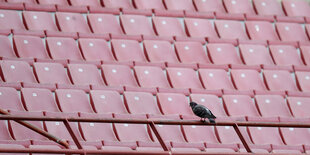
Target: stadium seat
183,78
272,106
141,103
59,129
247,80
268,7
90,134
239,7
29,47
234,102
296,8
10,99
44,71
215,79
84,74
209,6
85,3
166,26
180,5
149,76
55,2
63,48
223,54
72,22
127,50
160,51
191,52
5,134
39,21
231,29
125,4
261,30
305,54
17,71
279,80
118,75
10,19
138,132
302,79
149,4
104,24
22,1
20,132
255,54
136,25
227,135
299,106
196,27
295,136
291,32
6,48
285,55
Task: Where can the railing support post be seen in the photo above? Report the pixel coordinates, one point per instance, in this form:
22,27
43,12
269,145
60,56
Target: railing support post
161,141
245,144
71,132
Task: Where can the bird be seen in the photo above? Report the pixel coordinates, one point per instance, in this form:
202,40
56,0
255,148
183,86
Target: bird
202,112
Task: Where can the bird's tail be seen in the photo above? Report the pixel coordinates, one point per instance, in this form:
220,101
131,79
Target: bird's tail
211,120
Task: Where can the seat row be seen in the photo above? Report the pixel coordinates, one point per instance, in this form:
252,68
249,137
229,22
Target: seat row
164,28
263,8
154,53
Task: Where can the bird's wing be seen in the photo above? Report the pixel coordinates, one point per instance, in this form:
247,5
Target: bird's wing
207,111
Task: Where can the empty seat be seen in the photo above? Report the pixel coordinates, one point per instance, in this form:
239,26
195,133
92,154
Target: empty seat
231,29
127,50
209,6
104,24
20,132
125,4
247,80
285,55
5,135
35,20
30,47
72,22
149,4
169,101
95,50
299,106
151,77
9,99
183,78
39,100
264,135
305,54
196,27
51,73
227,135
85,74
268,7
166,26
136,25
191,52
138,132
296,8
223,54
59,129
234,102
160,51
63,48
239,6
118,75
279,80
22,1
71,100
272,106
291,32
260,30
295,136
58,2
141,103
302,79
17,71
85,3
107,102
180,5
10,19
6,47
255,54
215,79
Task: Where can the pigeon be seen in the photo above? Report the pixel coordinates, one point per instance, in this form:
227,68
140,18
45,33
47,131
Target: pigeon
202,112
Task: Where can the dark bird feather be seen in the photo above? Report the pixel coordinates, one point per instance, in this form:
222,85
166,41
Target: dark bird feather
202,112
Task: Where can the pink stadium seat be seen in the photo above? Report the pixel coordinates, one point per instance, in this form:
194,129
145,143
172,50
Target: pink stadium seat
10,19
247,80
22,133
141,103
215,79
261,30
71,100
22,1
196,27
231,29
255,54
296,8
29,47
227,135
291,32
295,136
302,79
104,24
279,80
63,48
151,77
58,2
5,135
72,22
268,7
180,5
160,51
138,132
39,100
107,102
149,4
118,75
305,54
136,25
125,4
166,26
299,106
272,106
95,50
9,99
85,3
191,52
183,78
127,50
6,48
35,20
44,72
239,6
84,74
223,54
17,71
234,102
285,55
59,129
209,6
